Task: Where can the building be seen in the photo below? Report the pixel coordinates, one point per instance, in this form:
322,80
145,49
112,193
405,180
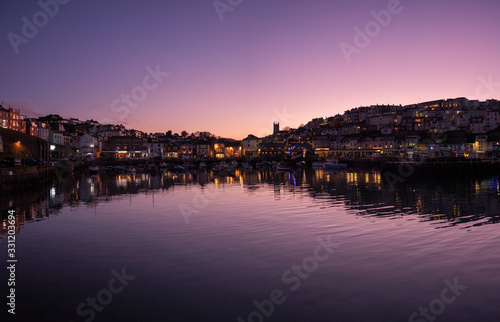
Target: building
89,146
251,146
11,119
219,149
43,131
32,128
130,147
56,137
202,150
156,149
272,148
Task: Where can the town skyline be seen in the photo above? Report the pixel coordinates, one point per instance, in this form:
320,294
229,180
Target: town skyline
227,67
495,105
271,127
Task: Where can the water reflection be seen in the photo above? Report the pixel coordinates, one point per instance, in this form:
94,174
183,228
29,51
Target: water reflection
465,203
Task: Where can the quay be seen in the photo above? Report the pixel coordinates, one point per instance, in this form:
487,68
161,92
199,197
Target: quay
19,177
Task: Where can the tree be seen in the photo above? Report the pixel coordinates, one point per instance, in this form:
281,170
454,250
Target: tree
184,134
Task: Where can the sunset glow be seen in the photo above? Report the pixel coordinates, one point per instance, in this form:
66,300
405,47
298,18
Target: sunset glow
230,77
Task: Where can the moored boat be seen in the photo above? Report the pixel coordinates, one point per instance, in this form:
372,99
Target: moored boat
94,168
282,166
334,164
318,165
301,164
152,168
246,166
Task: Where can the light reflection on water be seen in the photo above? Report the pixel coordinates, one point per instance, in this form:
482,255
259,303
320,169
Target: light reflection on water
472,203
244,231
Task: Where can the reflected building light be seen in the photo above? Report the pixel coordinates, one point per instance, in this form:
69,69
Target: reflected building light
419,205
52,192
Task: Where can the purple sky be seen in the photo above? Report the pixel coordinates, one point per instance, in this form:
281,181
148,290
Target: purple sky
235,77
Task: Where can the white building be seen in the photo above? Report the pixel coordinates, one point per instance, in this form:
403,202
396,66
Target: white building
89,146
156,149
56,137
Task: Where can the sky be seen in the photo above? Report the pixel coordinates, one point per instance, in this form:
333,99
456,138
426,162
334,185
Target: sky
233,67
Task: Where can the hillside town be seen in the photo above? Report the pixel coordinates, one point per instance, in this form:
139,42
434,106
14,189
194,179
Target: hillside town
456,127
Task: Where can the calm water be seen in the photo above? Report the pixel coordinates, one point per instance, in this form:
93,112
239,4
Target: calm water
324,246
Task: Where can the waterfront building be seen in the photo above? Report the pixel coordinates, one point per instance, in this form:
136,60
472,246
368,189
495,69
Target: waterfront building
202,149
156,149
11,119
131,147
89,146
250,146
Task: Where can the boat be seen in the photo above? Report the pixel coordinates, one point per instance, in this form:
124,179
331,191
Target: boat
152,168
131,169
119,169
94,168
282,166
221,166
179,168
163,165
202,165
318,165
334,164
233,165
301,164
246,166
266,163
